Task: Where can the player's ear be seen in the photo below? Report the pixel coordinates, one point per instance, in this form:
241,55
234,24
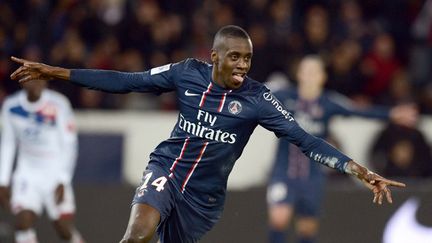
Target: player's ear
324,77
214,56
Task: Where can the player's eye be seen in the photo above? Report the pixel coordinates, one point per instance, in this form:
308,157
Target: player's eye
234,57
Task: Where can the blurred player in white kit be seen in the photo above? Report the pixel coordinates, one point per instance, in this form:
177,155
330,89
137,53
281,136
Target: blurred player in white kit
38,126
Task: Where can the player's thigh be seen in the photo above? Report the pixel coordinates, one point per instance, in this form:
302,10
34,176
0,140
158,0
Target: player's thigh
156,190
309,207
310,198
188,222
143,221
280,192
153,201
281,197
64,210
26,195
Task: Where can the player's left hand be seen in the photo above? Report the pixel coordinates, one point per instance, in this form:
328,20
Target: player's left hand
59,193
376,183
379,186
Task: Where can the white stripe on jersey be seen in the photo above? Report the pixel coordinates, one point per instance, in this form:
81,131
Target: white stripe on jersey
203,97
186,142
222,102
194,166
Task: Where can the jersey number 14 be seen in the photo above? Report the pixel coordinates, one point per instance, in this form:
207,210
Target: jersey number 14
158,182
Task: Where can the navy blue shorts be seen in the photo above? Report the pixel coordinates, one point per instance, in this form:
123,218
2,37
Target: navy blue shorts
182,221
304,195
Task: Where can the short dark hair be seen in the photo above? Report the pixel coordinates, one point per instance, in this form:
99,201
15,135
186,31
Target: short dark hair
228,31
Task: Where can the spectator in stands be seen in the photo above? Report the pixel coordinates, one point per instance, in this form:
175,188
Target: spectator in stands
379,66
399,91
402,151
178,30
343,71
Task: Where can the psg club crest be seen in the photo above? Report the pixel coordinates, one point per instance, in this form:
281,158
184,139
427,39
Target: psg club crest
235,107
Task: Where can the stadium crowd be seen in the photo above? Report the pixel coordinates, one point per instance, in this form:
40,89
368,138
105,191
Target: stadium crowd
376,52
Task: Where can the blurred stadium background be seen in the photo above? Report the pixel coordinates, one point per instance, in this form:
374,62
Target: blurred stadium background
377,53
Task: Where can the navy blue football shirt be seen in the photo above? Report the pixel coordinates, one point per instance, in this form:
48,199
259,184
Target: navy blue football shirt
213,126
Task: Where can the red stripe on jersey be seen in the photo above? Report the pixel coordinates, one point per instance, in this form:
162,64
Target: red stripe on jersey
222,102
185,144
194,166
203,97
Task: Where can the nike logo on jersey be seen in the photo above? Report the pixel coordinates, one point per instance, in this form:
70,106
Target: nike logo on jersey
187,93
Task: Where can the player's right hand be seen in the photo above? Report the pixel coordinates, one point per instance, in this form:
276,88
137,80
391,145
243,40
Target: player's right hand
5,197
30,70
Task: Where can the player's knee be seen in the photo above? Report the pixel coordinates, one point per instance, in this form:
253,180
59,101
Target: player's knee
19,225
280,217
25,220
279,223
307,227
136,238
135,234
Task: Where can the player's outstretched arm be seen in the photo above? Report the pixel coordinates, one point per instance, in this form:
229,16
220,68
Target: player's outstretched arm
96,79
376,183
37,71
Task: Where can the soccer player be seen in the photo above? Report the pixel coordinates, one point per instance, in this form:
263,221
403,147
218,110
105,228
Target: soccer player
38,125
296,183
184,185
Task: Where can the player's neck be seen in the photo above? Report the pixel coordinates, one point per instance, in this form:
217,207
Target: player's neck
217,79
33,97
219,83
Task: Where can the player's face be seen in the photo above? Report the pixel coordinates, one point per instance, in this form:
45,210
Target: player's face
232,62
310,73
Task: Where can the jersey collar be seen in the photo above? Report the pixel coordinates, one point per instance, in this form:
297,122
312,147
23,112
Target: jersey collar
33,106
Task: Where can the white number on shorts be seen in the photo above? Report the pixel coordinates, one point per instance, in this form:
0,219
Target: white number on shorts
158,183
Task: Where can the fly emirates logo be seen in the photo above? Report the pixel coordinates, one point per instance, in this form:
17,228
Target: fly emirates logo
200,130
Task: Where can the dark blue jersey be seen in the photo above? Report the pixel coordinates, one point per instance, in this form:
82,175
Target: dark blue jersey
213,126
313,116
